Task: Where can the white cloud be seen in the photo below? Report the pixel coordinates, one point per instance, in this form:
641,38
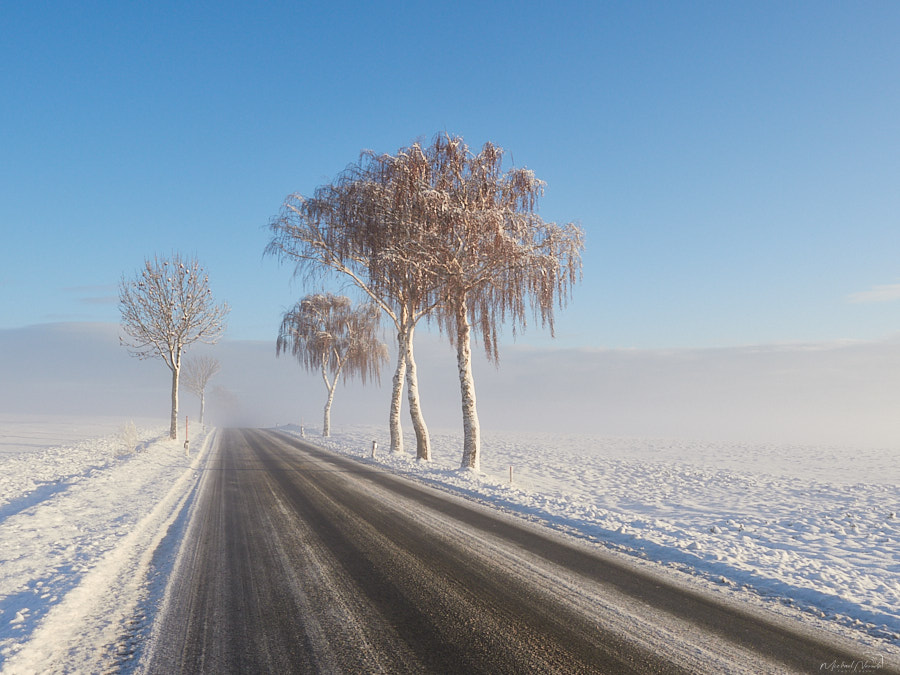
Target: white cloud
885,293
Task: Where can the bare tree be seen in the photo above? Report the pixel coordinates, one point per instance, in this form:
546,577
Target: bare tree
494,257
198,371
326,333
359,226
167,307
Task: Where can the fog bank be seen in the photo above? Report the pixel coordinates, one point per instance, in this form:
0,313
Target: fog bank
835,394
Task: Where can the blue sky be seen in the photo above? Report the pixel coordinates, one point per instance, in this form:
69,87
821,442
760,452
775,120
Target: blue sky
736,166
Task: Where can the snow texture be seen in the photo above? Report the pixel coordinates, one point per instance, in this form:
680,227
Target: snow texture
88,533
89,529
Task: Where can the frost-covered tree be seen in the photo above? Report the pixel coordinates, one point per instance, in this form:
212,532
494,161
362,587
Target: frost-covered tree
165,308
437,230
361,226
198,371
327,334
493,255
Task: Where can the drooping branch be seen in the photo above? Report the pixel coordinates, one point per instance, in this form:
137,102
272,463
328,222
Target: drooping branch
325,332
363,226
441,232
488,256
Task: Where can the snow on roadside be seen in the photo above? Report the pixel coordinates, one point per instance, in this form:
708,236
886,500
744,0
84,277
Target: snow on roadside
828,551
79,528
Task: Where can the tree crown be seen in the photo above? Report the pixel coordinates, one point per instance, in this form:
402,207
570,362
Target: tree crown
168,306
437,230
324,331
198,371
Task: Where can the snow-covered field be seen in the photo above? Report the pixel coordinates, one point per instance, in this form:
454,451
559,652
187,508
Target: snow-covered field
89,528
88,531
23,433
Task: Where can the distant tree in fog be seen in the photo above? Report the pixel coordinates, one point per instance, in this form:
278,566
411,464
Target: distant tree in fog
327,334
227,405
198,371
167,307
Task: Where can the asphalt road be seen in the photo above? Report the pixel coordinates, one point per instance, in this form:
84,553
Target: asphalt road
299,560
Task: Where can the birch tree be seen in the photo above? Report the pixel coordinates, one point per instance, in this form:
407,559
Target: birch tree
495,257
327,334
361,226
437,230
198,371
165,308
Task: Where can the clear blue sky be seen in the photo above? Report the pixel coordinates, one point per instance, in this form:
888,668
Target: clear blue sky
736,166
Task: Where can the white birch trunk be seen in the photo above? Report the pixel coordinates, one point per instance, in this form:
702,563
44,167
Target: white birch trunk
326,421
423,441
173,424
331,386
202,404
471,458
397,394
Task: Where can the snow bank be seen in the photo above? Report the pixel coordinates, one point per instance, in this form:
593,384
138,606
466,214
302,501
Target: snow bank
828,549
83,532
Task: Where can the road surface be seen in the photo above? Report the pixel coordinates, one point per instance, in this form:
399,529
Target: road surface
299,560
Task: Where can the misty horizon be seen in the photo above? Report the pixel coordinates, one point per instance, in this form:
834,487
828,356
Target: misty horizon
828,393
